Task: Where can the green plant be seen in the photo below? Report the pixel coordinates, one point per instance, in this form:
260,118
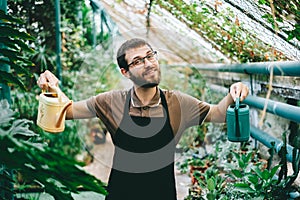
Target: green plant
43,59
281,9
212,184
186,164
260,180
12,46
48,168
219,28
25,103
251,179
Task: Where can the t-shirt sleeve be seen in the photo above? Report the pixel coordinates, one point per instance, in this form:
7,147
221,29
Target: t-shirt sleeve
91,104
194,111
101,105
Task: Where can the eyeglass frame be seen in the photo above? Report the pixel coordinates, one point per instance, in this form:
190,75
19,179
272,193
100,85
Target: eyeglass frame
153,53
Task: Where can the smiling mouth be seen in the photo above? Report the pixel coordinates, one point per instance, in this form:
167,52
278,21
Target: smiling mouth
149,72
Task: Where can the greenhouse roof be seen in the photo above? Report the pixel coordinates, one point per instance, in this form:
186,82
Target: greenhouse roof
177,43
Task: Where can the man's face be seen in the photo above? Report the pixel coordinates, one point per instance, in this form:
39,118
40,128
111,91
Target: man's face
146,74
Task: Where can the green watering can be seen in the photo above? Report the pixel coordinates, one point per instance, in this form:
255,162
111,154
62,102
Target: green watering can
238,122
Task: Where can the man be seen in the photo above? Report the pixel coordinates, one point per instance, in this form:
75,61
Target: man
145,123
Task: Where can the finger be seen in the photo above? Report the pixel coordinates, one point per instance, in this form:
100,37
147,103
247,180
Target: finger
42,82
244,93
50,78
235,91
232,92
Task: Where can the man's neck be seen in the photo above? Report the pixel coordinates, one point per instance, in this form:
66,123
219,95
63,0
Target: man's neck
145,95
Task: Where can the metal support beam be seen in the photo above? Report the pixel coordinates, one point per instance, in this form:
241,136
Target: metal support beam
58,39
4,89
280,68
5,94
96,7
267,140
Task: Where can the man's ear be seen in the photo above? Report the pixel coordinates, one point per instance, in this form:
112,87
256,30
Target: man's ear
125,72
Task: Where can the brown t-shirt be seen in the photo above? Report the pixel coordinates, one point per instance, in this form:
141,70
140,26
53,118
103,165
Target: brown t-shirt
184,110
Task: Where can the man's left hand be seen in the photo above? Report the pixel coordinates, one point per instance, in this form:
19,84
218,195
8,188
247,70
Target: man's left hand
239,90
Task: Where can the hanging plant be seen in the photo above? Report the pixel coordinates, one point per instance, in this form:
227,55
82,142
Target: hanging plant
223,30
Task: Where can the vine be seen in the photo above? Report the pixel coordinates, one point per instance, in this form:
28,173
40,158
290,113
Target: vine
223,30
285,10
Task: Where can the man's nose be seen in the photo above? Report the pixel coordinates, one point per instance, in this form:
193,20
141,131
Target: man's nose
147,63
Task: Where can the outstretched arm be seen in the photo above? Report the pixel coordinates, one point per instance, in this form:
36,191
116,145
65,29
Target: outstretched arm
217,112
78,110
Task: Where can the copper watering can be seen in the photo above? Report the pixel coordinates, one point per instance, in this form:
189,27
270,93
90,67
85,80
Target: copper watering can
52,111
238,122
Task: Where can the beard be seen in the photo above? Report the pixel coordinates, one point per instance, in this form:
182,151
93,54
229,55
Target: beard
145,83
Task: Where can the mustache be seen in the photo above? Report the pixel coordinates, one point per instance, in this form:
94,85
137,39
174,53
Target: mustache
150,69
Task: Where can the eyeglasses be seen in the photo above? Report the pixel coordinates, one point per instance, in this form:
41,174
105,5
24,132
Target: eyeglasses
139,62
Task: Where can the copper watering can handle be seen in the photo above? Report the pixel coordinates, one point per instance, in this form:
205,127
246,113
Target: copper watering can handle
61,114
57,90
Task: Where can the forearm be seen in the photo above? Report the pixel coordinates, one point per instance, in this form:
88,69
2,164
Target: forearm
79,110
217,112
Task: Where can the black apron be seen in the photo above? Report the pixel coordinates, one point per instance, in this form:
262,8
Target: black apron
143,164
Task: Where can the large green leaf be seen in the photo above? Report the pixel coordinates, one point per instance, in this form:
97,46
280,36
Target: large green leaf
15,44
243,187
211,184
10,54
7,78
253,179
237,173
14,33
17,68
12,46
7,18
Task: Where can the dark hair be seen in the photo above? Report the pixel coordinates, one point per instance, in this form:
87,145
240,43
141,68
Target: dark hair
129,44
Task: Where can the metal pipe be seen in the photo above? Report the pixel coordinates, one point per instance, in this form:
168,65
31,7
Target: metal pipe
267,140
58,39
281,109
277,108
4,88
95,7
5,94
281,68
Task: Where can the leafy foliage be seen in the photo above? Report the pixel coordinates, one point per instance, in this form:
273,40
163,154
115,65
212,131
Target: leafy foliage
242,175
222,30
40,23
55,172
285,10
13,44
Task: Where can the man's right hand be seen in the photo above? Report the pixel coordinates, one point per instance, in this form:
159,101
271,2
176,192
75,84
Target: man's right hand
46,80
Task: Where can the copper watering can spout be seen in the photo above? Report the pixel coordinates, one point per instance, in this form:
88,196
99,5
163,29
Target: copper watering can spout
52,110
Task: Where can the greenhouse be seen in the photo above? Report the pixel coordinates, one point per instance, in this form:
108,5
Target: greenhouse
149,99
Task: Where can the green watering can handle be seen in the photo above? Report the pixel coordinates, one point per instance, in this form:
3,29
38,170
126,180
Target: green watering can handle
237,125
237,103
